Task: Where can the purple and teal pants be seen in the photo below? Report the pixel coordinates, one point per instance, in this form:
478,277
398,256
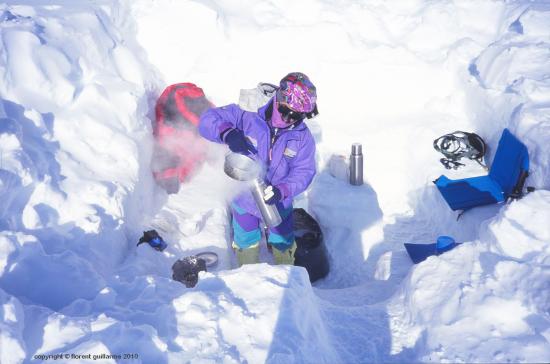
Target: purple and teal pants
246,229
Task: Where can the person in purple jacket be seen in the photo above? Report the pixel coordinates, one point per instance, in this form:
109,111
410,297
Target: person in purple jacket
277,136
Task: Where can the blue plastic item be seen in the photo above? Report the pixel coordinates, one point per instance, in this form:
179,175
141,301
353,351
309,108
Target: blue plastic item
152,238
505,179
420,252
158,244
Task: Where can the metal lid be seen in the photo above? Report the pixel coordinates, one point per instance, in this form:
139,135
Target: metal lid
356,149
210,258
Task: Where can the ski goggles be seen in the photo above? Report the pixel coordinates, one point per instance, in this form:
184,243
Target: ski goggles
290,116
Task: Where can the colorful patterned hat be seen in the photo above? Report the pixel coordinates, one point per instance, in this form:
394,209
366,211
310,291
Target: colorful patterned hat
298,92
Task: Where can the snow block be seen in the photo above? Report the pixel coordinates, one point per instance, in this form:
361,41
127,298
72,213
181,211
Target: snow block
420,252
506,178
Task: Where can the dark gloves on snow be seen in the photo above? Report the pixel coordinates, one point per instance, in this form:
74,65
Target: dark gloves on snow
237,142
153,239
187,270
272,195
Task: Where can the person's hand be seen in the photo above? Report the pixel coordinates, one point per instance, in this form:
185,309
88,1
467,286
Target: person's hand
272,195
237,142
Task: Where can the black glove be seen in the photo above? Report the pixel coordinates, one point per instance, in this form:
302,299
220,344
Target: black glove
153,239
272,195
237,142
187,270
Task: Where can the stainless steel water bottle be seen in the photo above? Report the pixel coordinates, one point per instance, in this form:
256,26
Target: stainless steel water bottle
270,214
356,165
243,168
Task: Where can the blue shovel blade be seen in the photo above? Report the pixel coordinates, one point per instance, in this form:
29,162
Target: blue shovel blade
420,252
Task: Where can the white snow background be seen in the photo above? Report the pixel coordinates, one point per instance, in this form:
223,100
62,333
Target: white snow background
78,83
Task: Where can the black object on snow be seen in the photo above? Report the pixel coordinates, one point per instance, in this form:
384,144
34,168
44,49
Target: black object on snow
310,252
505,181
460,144
152,238
187,270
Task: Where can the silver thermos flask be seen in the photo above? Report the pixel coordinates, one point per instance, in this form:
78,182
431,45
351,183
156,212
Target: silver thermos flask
356,165
269,213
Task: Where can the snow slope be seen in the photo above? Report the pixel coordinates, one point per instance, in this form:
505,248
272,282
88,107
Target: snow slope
79,81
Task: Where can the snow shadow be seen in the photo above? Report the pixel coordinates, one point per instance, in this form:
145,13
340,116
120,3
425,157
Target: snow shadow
352,298
136,306
63,263
36,319
432,217
347,215
60,262
38,153
38,270
339,303
96,328
300,334
52,281
143,311
389,262
330,326
28,157
151,308
14,196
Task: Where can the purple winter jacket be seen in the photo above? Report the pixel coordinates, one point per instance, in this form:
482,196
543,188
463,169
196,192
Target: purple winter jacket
291,166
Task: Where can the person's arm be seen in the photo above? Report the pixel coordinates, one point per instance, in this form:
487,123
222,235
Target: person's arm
216,122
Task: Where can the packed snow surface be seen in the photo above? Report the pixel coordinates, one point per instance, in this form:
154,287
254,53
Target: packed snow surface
79,80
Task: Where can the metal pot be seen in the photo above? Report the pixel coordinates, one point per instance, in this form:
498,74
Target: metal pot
241,167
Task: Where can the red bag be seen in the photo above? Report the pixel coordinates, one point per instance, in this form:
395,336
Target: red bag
179,148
